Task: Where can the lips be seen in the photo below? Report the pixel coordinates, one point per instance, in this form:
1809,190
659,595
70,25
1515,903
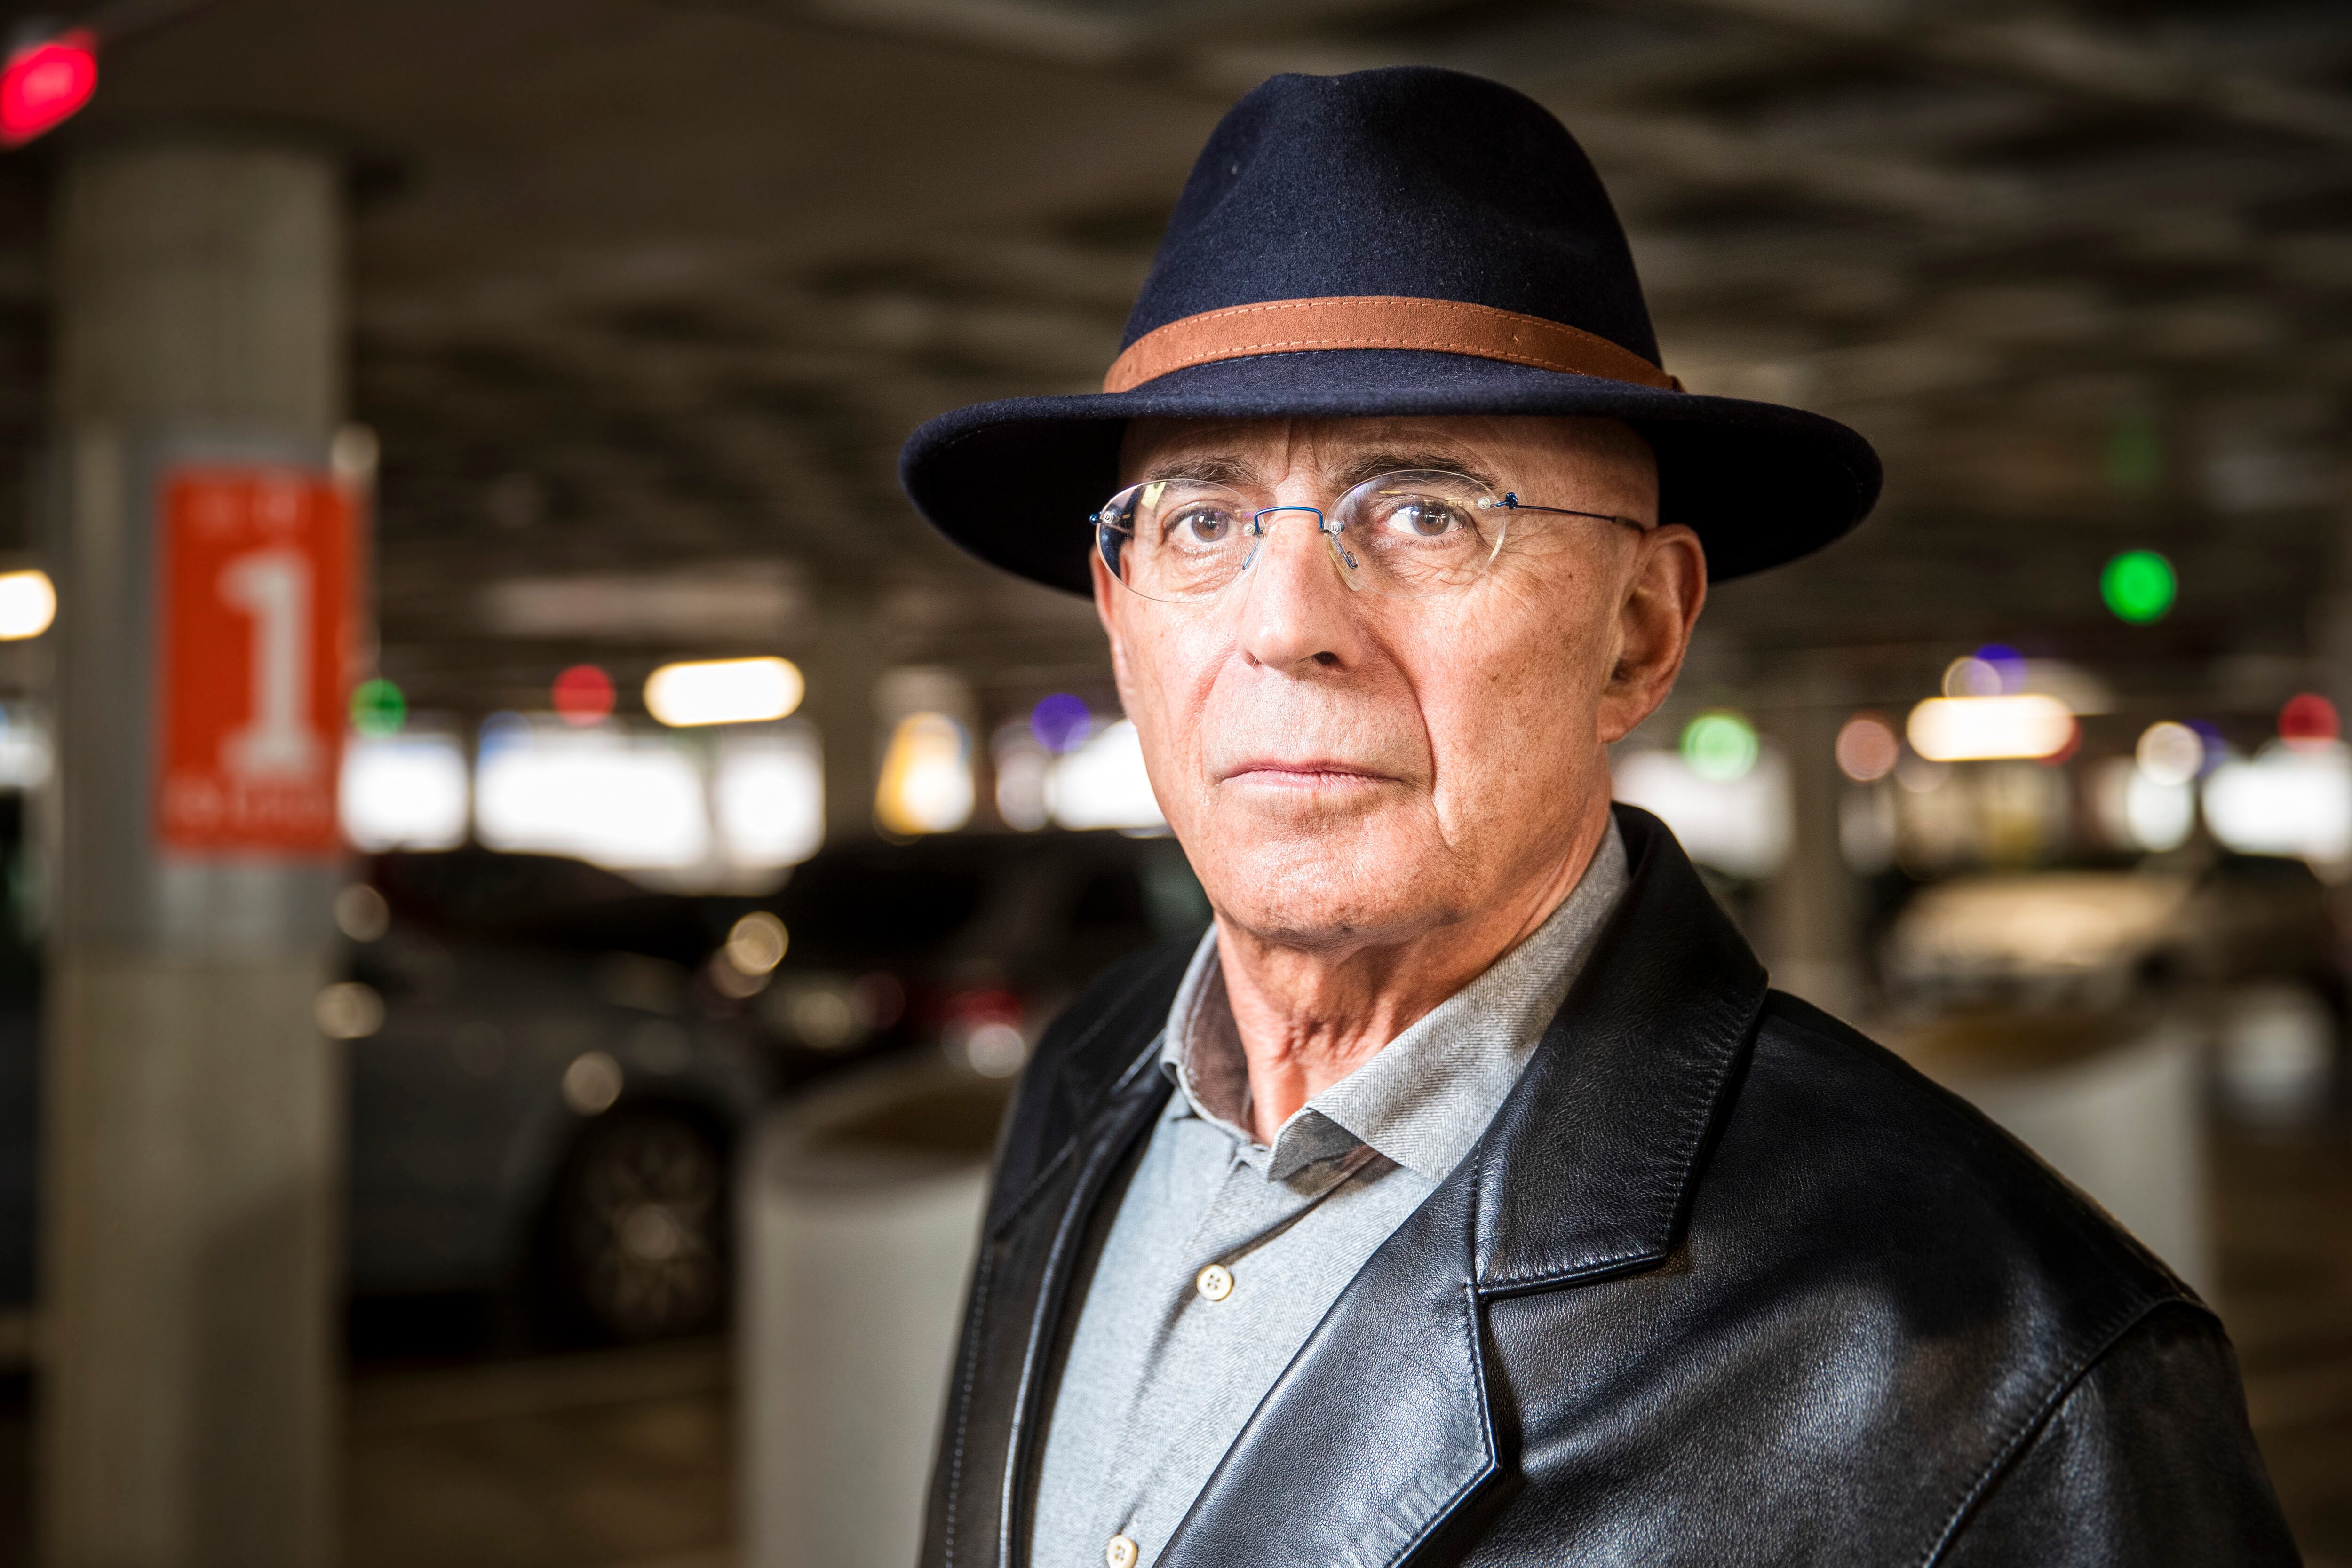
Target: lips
1316,774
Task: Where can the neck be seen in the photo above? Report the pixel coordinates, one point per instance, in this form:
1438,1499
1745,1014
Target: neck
1308,1017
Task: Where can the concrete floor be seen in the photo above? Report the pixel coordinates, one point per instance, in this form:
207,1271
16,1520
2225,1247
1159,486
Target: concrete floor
2285,1223
622,1459
614,1459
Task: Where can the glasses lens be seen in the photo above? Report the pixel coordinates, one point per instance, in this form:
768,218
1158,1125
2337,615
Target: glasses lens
1175,540
1421,534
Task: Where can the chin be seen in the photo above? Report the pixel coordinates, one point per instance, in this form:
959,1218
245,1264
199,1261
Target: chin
1330,888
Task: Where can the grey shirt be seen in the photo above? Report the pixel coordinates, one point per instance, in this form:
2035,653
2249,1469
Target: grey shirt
1169,1358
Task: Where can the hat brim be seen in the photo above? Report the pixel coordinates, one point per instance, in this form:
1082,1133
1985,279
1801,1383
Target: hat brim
1014,481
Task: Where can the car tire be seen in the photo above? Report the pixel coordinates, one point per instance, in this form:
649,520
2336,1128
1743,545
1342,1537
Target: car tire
638,1227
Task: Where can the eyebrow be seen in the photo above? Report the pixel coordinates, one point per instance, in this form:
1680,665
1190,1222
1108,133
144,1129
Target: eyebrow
1201,470
1373,465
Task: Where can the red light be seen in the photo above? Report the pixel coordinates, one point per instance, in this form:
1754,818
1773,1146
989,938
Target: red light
43,84
2308,720
584,695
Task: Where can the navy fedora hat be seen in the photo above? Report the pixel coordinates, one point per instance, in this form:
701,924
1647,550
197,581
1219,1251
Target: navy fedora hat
1403,241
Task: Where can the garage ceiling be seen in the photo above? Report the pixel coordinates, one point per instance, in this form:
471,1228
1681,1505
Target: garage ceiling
647,294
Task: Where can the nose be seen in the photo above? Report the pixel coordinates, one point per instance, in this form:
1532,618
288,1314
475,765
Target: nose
1295,616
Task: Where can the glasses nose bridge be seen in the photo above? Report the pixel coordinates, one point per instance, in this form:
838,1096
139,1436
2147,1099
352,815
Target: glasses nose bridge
1259,526
1326,530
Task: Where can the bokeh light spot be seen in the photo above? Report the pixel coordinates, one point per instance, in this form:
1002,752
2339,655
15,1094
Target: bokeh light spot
1719,745
378,707
1060,722
2170,753
2138,586
1867,748
584,695
2309,719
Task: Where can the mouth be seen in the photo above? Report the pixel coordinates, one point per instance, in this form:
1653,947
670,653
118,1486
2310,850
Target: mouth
1306,776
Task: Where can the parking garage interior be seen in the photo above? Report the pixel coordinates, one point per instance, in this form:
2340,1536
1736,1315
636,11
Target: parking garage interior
604,322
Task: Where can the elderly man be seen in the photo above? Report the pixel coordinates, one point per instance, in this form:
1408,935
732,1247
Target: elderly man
1466,1195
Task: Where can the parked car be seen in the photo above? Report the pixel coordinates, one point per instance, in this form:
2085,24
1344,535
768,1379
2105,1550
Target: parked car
538,1110
566,1059
550,1065
968,944
2095,937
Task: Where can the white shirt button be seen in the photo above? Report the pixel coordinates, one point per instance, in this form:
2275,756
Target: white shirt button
1214,1282
1120,1553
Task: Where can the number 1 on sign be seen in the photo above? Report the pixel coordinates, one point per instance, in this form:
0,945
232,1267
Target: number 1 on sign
273,587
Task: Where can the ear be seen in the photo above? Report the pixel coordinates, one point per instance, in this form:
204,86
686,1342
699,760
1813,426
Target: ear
1107,595
1663,592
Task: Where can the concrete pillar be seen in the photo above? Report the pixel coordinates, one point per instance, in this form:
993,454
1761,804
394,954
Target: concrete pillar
1810,915
190,1199
842,667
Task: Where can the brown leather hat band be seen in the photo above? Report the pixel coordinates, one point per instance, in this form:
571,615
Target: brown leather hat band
1377,321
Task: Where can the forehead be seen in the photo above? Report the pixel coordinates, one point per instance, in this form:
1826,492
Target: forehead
1494,446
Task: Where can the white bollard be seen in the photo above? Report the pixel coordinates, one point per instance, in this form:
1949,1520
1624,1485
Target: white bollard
858,1220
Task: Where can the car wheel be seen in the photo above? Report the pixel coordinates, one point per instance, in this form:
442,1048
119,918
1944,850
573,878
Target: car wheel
640,1225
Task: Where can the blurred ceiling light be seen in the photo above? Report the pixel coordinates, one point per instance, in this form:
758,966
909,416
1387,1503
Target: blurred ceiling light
25,754
1104,784
403,792
619,802
2309,721
28,603
2286,801
724,691
1867,748
43,84
1021,763
756,943
927,784
769,796
1979,729
2170,753
1719,745
583,696
2160,815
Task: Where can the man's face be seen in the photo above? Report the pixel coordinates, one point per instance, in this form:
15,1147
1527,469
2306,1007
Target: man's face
1348,769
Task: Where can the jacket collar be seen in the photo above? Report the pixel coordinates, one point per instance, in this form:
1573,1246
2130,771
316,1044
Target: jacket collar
1381,1434
1585,1169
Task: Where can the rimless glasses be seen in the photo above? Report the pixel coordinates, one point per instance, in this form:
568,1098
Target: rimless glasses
1419,535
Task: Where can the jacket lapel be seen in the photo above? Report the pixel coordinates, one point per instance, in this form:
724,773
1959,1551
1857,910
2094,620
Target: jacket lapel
1100,1100
1381,1432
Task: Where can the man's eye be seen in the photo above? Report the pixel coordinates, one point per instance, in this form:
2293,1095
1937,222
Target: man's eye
1201,526
1425,519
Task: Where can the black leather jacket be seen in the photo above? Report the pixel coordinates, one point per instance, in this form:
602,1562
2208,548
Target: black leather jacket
1723,1283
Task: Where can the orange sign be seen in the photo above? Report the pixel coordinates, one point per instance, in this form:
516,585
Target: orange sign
256,589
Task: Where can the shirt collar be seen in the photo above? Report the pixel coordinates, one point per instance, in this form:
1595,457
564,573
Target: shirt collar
1423,1099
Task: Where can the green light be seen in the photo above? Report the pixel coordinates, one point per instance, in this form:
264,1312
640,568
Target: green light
2138,586
1719,745
378,707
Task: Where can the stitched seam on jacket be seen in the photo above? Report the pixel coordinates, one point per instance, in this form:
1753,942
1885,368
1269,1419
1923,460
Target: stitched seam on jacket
2028,1429
980,1279
1437,1520
1692,1124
